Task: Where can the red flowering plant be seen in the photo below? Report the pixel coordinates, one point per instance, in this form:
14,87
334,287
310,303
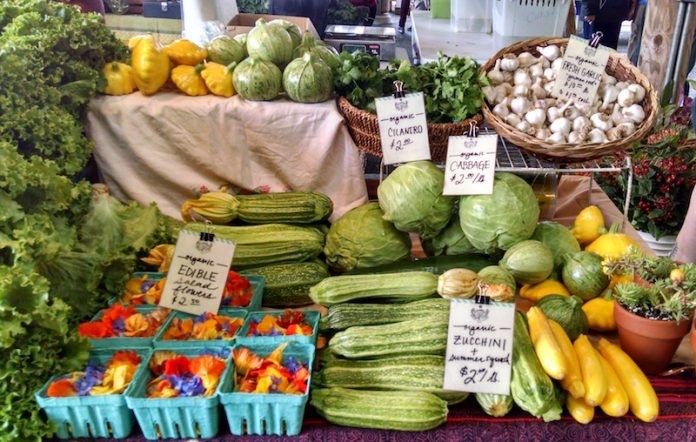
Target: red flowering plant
664,174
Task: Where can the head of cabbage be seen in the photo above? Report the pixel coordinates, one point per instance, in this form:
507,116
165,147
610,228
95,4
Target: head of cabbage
361,238
411,198
451,241
502,219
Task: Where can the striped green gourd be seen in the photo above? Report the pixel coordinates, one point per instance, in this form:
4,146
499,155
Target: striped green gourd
257,80
399,287
415,337
270,42
308,79
284,207
385,410
342,316
496,405
267,243
287,285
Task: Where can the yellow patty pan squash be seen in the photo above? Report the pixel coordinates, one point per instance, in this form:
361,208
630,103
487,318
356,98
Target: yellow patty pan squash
186,52
188,79
612,245
119,79
600,313
218,78
150,65
588,225
535,292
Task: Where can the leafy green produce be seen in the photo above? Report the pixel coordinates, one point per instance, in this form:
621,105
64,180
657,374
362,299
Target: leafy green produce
450,241
253,6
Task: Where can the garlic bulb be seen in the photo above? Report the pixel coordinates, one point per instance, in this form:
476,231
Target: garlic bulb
597,136
520,91
634,113
540,104
638,92
508,76
626,98
519,105
490,93
542,134
549,74
627,128
609,97
523,126
522,77
613,134
576,137
545,63
552,113
509,63
551,52
584,109
501,109
561,125
535,117
513,119
548,87
502,92
494,75
526,59
536,71
538,90
556,65
616,116
621,85
601,121
556,138
580,123
571,113
608,79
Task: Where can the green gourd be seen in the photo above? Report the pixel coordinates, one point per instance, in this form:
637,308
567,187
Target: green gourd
567,311
257,80
308,80
225,50
528,262
270,43
287,285
583,275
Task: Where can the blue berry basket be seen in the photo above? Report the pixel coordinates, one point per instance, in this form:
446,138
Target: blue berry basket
122,342
178,417
160,344
311,317
262,413
92,416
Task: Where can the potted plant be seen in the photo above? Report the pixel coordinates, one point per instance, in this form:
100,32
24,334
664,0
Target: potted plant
653,312
664,174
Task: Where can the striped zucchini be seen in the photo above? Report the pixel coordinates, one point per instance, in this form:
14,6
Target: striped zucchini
434,264
410,373
415,337
342,316
287,285
284,207
385,410
496,405
400,287
268,243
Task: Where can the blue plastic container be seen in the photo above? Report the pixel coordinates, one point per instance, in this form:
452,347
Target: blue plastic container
262,414
121,342
160,344
92,416
311,317
179,417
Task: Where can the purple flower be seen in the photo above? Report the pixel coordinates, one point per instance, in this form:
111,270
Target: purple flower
292,364
199,319
119,326
187,385
222,353
92,376
146,284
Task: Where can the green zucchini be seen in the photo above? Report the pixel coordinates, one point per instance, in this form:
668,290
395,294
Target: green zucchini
385,410
268,243
399,287
496,405
437,264
423,336
287,285
342,316
530,387
410,373
284,207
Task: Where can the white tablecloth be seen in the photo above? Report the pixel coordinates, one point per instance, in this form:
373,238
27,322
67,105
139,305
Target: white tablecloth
164,147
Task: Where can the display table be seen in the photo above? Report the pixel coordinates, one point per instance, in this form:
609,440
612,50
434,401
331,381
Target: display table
164,147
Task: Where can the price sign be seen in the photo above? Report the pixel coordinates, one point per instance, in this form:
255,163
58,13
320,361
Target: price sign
581,72
470,165
479,347
198,273
402,128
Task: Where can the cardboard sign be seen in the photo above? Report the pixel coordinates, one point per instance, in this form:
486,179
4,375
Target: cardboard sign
198,273
403,128
470,165
581,72
479,347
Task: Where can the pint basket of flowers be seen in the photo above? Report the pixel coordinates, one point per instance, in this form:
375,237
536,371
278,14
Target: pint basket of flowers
119,326
276,327
183,330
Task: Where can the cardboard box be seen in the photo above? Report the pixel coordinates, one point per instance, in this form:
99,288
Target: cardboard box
243,23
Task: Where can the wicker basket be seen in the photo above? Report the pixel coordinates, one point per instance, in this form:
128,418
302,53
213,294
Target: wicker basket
364,128
618,66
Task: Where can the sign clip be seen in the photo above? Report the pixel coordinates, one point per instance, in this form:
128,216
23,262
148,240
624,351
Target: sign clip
594,42
473,129
398,89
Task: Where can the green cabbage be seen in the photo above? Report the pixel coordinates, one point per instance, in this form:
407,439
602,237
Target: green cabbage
451,241
412,199
504,218
558,239
361,238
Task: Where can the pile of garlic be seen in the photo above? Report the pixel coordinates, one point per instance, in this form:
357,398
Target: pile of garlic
520,94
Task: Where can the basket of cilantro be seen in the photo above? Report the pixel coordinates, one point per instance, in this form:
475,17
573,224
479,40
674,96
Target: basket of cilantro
451,87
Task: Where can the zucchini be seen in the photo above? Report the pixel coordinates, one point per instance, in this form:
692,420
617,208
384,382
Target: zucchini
415,337
409,373
268,243
399,287
284,207
385,410
530,387
496,405
342,316
287,285
437,265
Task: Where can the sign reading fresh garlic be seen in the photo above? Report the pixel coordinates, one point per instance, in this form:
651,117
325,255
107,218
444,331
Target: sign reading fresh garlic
581,71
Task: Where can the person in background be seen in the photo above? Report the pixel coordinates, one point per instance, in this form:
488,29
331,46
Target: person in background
637,31
372,4
405,10
587,30
606,17
685,249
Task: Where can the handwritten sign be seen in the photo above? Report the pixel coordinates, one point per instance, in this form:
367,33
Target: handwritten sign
403,129
479,347
470,165
197,274
581,72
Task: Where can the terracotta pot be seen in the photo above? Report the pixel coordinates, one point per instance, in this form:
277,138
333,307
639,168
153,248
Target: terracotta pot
650,343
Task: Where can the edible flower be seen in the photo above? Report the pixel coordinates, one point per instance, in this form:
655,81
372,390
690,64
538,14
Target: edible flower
270,375
179,376
98,379
205,327
238,290
291,322
120,320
